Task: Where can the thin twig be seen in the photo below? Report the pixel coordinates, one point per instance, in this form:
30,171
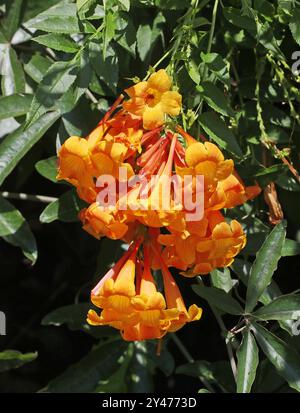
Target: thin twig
27,197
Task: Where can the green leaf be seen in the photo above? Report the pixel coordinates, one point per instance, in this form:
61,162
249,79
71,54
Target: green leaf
219,299
285,358
58,19
74,316
242,269
116,383
14,105
13,80
193,72
10,23
198,368
85,6
84,376
288,182
218,131
16,145
267,175
221,279
48,168
139,376
215,98
244,22
218,373
126,33
247,355
37,67
147,36
217,65
294,25
109,31
290,248
65,209
52,89
15,230
144,40
265,265
12,359
107,70
58,42
125,4
286,307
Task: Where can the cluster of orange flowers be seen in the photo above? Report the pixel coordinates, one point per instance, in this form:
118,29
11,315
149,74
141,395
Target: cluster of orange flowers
134,135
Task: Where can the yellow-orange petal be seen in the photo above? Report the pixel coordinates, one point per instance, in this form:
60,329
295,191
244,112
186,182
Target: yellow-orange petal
171,103
160,81
153,117
137,90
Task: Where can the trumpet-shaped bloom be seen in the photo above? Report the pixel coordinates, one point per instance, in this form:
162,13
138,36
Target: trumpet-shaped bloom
204,246
75,167
153,99
130,301
101,223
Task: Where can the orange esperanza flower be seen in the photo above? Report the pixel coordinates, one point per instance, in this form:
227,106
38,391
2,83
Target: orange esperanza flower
153,99
75,167
131,303
206,159
208,244
101,223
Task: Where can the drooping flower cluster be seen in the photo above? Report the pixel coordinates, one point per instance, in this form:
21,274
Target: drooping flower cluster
124,171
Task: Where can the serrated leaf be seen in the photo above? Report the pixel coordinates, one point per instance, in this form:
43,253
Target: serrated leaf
65,209
53,87
16,145
285,359
107,70
247,355
215,98
12,359
58,19
58,42
286,307
219,299
48,168
15,230
219,132
14,105
85,6
265,265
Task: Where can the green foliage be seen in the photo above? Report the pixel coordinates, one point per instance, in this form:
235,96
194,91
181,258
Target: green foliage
12,359
62,64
